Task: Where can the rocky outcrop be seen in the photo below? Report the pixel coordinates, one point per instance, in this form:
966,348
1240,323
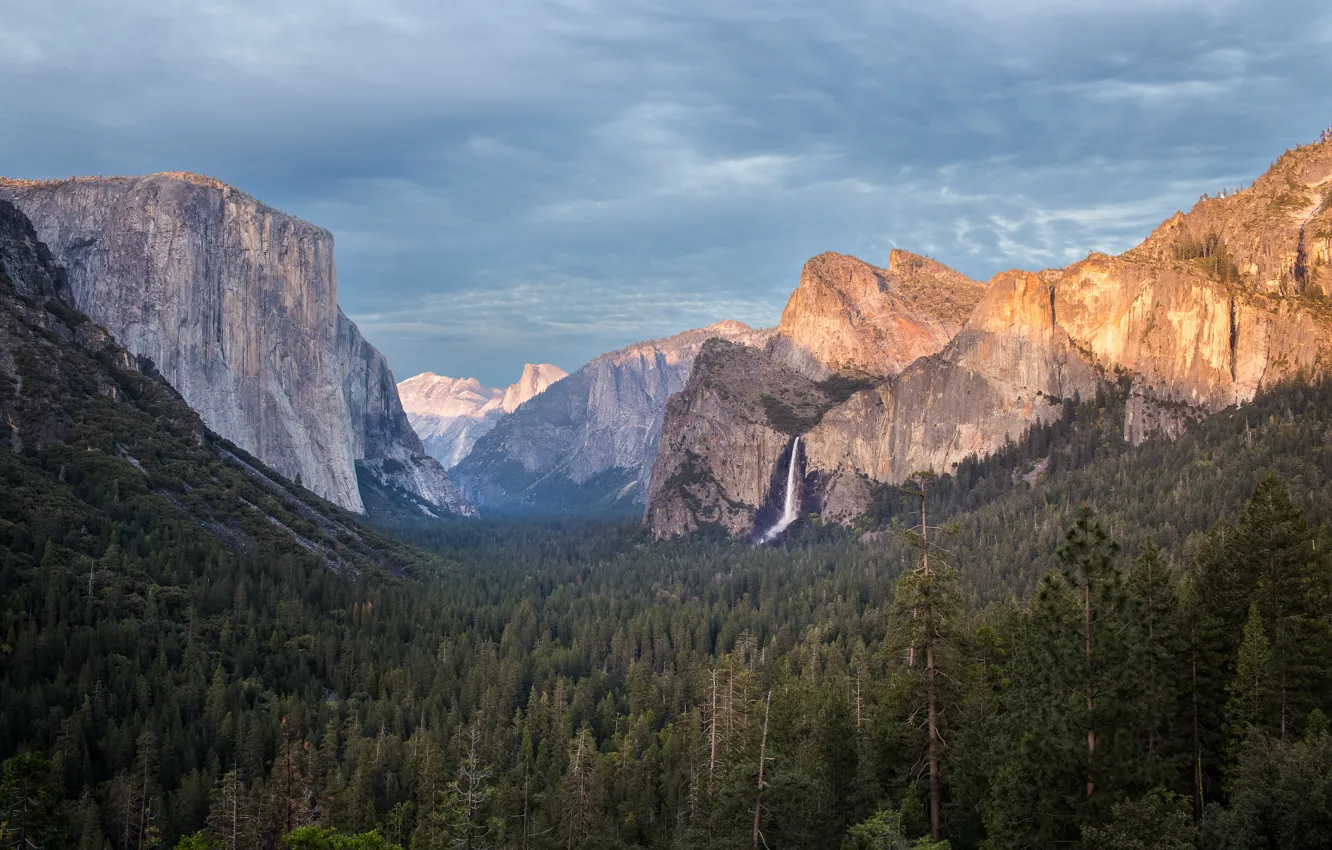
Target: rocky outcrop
588,442
451,414
1214,306
725,437
534,381
93,431
1010,366
236,304
386,448
849,317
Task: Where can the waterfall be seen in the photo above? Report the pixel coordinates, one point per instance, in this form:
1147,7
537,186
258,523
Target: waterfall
791,506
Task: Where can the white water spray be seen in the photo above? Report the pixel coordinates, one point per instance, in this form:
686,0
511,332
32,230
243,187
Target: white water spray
791,508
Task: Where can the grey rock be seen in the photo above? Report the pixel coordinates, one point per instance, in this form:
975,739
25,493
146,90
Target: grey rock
236,304
451,414
588,442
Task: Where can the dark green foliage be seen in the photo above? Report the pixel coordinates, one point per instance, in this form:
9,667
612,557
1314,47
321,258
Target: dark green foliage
32,807
1281,797
840,387
1276,548
1254,707
1210,254
323,838
1168,492
1157,821
556,633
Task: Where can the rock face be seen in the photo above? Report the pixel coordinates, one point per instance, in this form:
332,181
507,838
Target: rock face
1008,367
728,437
853,318
82,419
451,414
588,442
236,304
1212,307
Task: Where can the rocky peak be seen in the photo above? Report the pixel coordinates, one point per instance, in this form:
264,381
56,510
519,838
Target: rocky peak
1213,306
451,414
851,317
439,395
535,379
933,287
588,442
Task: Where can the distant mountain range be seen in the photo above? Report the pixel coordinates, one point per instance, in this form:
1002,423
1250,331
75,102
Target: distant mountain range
587,444
451,414
913,366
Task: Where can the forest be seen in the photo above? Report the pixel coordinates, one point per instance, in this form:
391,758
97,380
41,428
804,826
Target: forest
1090,644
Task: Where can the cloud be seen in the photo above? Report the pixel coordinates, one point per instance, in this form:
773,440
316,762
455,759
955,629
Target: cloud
543,180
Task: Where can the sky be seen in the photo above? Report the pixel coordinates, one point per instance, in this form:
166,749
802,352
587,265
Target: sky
513,181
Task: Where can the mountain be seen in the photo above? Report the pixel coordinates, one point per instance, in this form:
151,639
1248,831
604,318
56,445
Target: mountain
100,451
236,305
1214,306
588,442
848,326
849,317
451,414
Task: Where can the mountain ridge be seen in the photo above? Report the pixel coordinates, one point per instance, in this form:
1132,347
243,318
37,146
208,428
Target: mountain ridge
451,414
95,431
587,443
1212,306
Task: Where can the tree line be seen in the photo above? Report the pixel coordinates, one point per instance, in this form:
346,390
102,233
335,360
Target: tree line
1149,677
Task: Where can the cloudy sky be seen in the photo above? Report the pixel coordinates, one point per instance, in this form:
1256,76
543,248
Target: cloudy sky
518,180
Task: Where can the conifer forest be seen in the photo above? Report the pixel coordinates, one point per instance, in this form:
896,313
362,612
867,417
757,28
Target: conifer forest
1132,654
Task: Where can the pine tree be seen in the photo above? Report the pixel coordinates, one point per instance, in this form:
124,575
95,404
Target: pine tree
926,614
579,804
1158,679
30,804
1087,556
1254,706
1276,547
231,817
290,802
1215,601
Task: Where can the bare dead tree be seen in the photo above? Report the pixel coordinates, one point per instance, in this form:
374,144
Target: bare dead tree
763,759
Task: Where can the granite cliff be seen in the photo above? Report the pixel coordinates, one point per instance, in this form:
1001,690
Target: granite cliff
94,438
849,317
451,414
236,304
588,442
848,327
1215,305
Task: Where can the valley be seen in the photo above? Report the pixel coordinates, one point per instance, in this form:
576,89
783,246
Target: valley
932,563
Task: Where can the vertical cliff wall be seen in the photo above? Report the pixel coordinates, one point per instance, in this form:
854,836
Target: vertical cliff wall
1214,306
236,304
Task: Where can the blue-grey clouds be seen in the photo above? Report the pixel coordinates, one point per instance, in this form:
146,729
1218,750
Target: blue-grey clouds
522,181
